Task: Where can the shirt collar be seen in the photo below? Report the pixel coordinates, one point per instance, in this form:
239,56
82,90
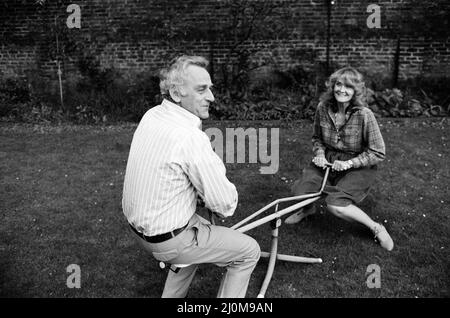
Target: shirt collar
350,109
182,114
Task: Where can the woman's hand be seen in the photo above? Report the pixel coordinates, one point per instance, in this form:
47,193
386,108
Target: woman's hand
341,165
320,161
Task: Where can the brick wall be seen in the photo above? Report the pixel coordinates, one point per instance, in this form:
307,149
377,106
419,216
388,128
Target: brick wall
140,35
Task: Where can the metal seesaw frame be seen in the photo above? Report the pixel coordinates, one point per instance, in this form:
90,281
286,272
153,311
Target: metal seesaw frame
275,219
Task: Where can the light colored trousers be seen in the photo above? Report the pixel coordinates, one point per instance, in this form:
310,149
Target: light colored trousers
202,242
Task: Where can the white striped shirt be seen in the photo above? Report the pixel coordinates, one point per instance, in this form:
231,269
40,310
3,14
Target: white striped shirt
171,161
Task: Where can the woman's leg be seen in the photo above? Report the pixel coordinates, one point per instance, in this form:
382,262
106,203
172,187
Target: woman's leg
354,186
353,213
301,214
309,183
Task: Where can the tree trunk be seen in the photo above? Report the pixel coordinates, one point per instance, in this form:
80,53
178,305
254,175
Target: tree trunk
396,64
328,35
211,55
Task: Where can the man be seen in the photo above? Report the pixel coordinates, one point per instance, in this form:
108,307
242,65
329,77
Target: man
171,163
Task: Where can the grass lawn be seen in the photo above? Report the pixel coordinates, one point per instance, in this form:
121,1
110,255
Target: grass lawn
60,203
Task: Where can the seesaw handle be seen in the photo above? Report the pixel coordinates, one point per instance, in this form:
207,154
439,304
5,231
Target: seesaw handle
287,210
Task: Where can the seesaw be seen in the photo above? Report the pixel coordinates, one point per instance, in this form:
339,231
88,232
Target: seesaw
275,223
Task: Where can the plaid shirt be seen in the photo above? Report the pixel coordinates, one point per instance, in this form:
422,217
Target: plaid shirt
359,136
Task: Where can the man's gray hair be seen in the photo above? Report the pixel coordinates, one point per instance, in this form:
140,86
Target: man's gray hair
173,75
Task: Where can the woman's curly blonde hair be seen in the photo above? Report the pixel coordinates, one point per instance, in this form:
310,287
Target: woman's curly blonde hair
350,77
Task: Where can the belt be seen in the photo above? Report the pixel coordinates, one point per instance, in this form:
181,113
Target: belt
160,237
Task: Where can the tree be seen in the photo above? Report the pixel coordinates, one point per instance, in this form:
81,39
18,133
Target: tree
241,25
251,22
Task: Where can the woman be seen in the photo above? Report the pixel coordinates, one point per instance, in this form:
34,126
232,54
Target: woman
346,134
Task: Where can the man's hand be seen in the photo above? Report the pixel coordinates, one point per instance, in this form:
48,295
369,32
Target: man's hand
214,217
341,165
320,161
